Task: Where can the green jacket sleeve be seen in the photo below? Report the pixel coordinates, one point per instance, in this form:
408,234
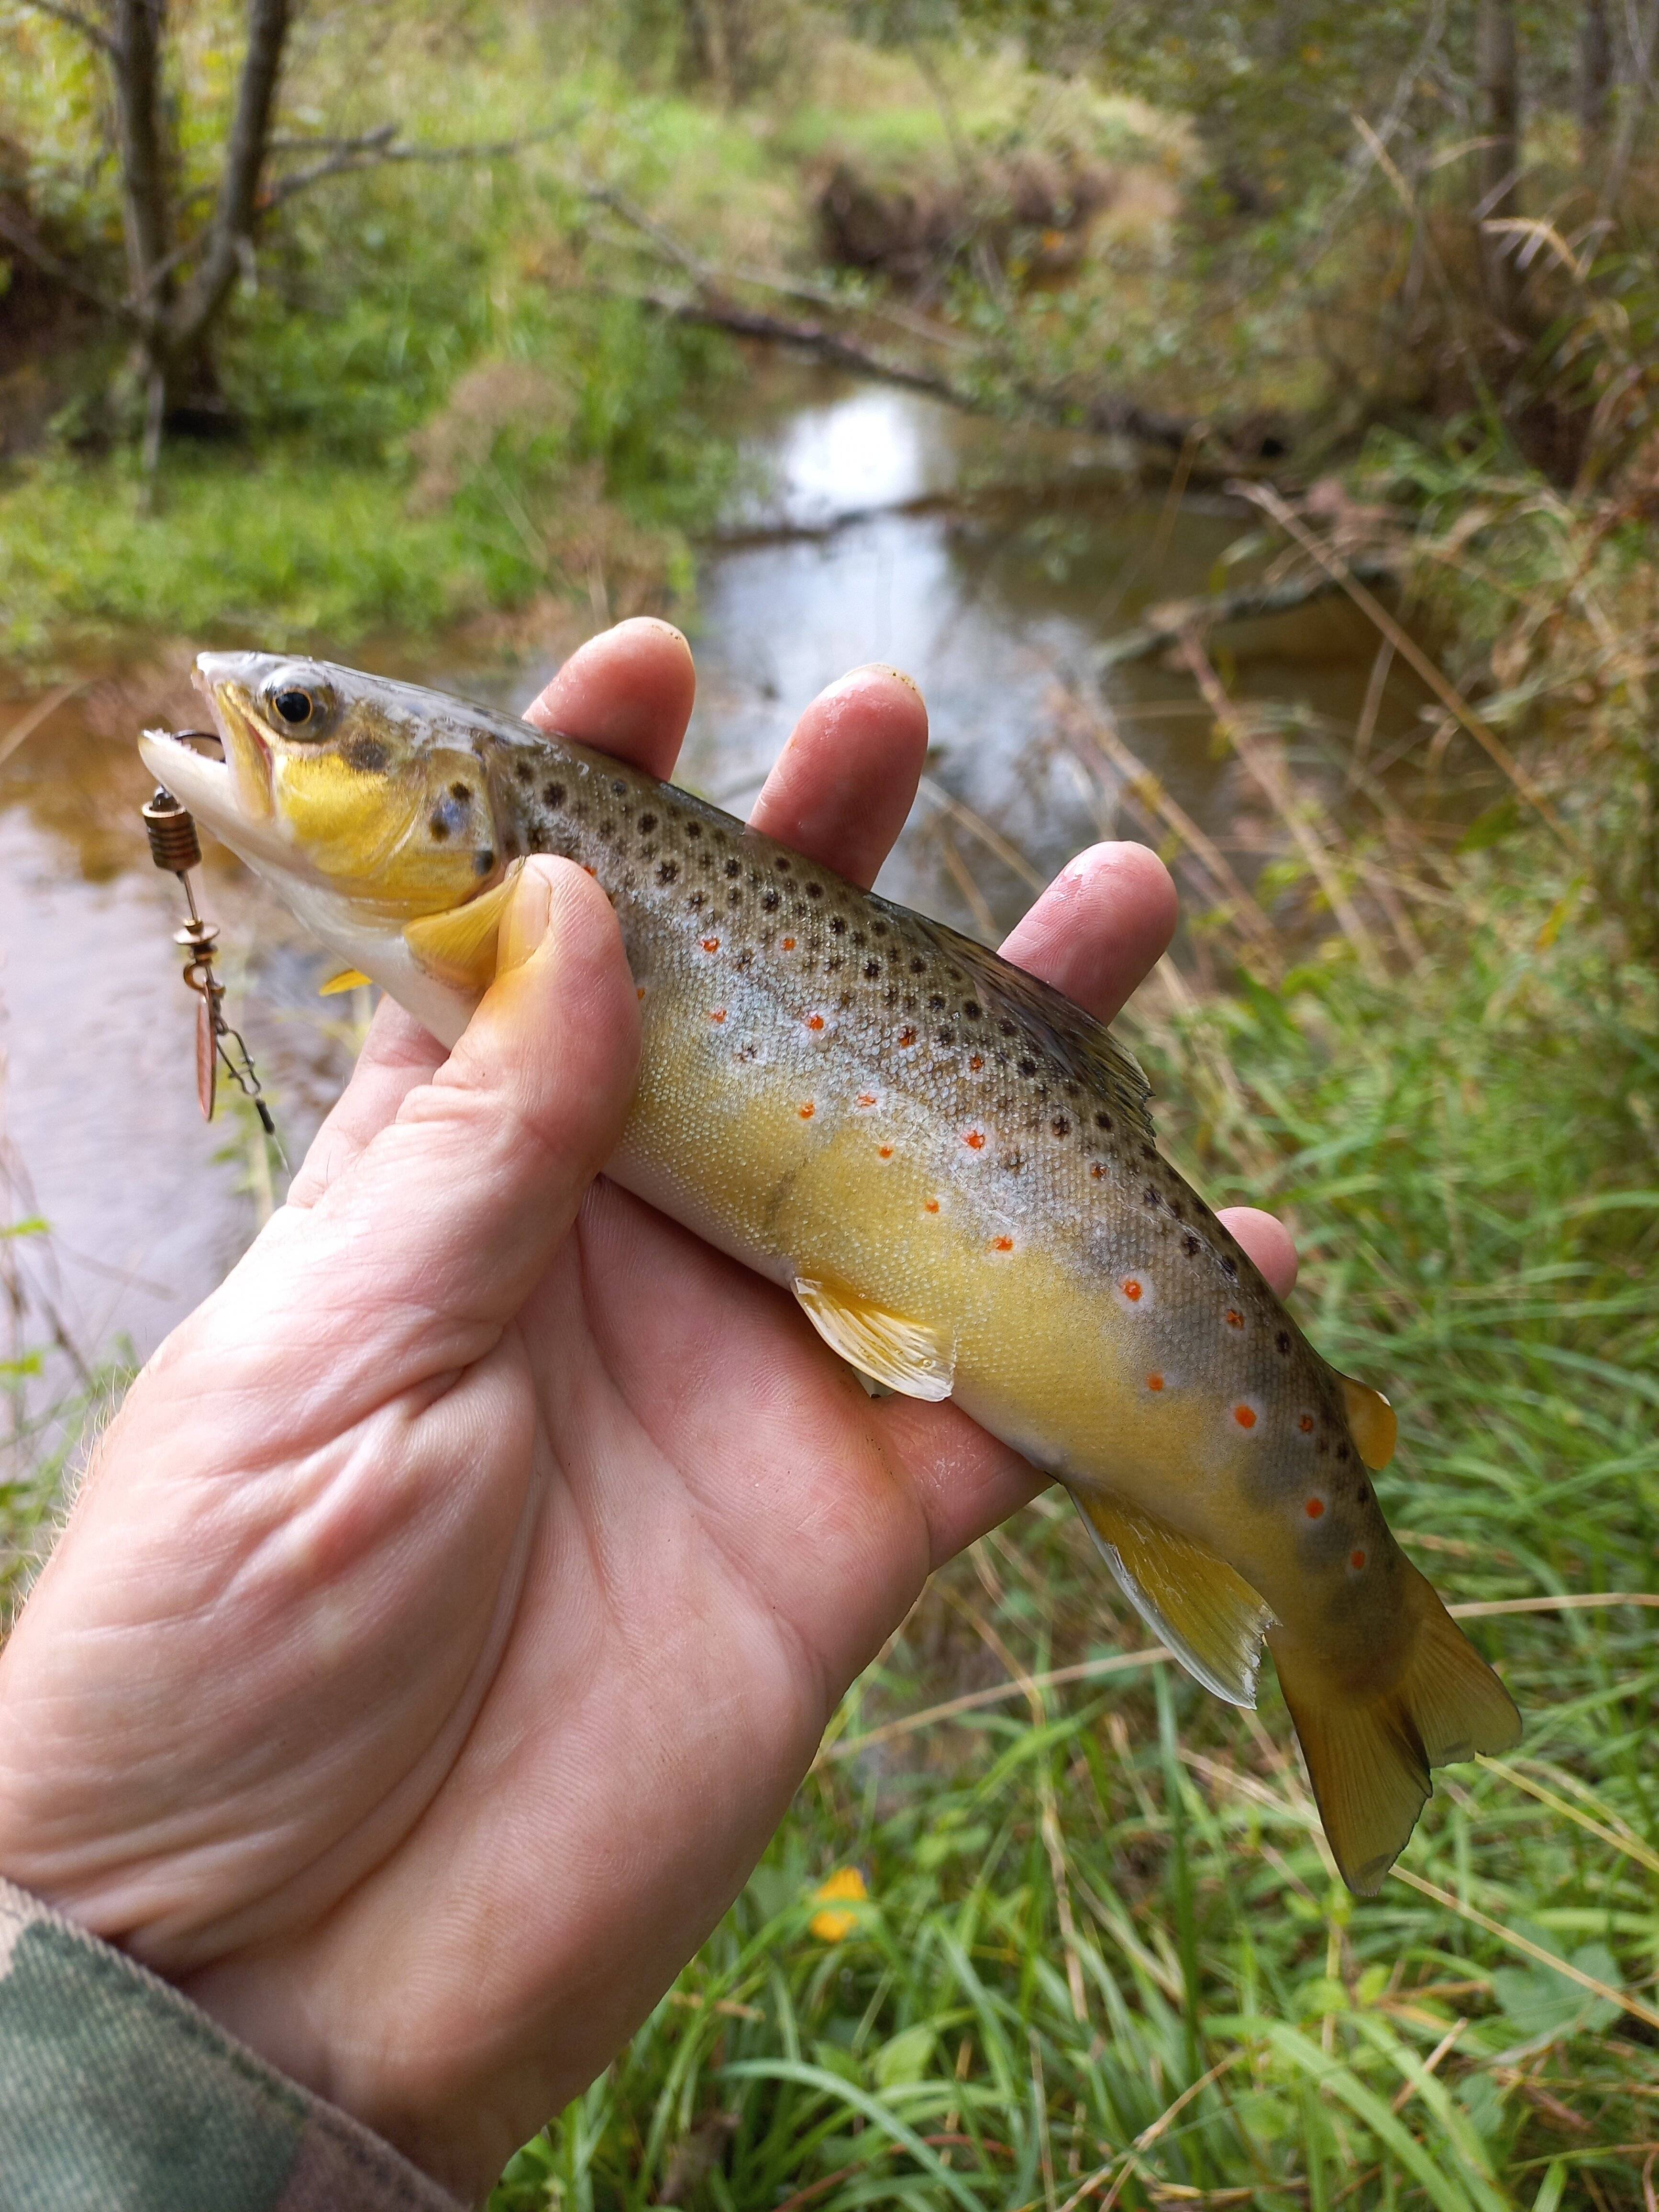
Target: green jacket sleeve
116,2091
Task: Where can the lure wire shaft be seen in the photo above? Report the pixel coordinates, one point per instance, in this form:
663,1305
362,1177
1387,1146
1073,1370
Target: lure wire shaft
176,850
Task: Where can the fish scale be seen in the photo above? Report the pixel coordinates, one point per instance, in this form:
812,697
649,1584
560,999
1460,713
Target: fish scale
949,1166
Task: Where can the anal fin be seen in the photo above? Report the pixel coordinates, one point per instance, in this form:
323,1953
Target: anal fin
905,1355
1204,1611
1372,1422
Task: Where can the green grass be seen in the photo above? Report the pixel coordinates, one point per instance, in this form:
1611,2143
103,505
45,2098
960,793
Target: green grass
1099,1913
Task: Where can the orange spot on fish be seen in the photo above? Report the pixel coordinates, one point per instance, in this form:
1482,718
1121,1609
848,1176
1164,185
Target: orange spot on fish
1132,1289
1356,1560
808,1110
886,1151
1005,1244
867,1098
1306,1425
1314,1508
639,990
932,1206
815,1021
1245,1415
717,1014
1097,1170
789,944
974,1140
907,1036
975,1061
711,945
1235,1319
1154,1382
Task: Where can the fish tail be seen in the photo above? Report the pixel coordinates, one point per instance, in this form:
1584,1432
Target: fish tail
1369,1758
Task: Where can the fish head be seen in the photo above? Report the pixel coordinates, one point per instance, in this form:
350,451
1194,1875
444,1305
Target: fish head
339,781
366,805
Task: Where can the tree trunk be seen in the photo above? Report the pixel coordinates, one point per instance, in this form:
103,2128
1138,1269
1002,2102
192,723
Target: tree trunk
174,321
1498,66
1594,83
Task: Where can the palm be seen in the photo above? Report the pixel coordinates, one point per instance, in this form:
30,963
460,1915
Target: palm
464,1593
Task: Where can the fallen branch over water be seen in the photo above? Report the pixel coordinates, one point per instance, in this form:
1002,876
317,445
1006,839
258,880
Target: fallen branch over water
1168,623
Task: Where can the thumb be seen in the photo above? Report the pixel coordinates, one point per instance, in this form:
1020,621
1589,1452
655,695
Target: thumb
447,1219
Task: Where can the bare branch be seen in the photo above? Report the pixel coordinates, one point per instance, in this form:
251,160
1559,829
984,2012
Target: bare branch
376,151
95,33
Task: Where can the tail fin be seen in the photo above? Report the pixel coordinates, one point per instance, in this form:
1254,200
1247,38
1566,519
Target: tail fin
1368,1760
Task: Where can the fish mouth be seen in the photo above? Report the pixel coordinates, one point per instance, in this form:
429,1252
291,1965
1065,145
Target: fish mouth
223,775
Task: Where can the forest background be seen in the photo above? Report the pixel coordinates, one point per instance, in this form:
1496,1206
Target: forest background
337,326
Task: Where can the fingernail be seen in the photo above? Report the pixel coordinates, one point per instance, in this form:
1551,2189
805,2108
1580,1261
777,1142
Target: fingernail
529,912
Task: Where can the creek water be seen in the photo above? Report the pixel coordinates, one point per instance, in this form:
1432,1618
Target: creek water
876,525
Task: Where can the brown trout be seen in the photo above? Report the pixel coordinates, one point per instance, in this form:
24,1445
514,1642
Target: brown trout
951,1167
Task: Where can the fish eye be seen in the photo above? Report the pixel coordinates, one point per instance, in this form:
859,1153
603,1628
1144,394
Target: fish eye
298,703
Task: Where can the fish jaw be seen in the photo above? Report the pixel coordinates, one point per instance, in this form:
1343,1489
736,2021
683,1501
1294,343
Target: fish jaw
232,796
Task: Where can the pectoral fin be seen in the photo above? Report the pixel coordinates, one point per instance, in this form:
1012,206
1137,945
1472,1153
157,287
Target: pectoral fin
1372,1422
459,946
349,979
906,1355
1207,1614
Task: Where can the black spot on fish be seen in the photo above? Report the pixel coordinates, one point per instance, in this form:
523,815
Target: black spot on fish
647,823
694,829
1283,1342
1230,1266
837,926
1012,1162
970,1011
523,771
1343,1454
438,824
872,968
667,871
366,755
781,864
1028,1065
918,967
1103,1120
483,862
936,1002
814,890
1060,1126
771,899
553,793
1363,1495
732,866
947,1036
1190,1244
461,795
619,789
878,929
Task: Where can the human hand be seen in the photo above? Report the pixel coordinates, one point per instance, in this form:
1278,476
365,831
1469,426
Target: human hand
460,1595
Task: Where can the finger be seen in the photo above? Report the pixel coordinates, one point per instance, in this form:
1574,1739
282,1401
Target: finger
397,1054
1100,929
628,691
457,1205
1268,1241
841,786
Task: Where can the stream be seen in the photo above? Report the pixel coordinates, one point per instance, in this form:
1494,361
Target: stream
990,564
